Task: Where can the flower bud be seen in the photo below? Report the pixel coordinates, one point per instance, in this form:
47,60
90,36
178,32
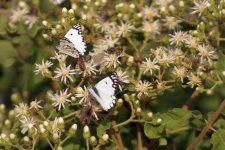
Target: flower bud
138,111
126,97
115,113
181,3
73,129
132,6
64,12
26,139
86,132
159,120
12,137
55,137
119,102
93,141
46,36
2,108
209,92
150,114
54,31
7,123
61,123
104,139
59,148
130,61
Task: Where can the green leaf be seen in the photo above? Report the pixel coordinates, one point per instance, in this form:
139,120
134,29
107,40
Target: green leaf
8,53
175,118
101,129
218,140
152,131
3,23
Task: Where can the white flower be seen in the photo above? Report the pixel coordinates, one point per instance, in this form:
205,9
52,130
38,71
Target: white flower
22,109
89,69
178,37
142,88
199,7
150,65
109,42
171,22
122,76
30,20
206,51
26,124
18,14
83,94
60,99
64,73
149,13
194,80
152,28
124,28
191,42
43,68
60,57
180,73
35,105
111,60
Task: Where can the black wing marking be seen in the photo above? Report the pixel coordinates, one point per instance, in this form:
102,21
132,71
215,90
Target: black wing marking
78,28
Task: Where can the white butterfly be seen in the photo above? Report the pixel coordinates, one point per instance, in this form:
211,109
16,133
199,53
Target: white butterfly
73,44
103,92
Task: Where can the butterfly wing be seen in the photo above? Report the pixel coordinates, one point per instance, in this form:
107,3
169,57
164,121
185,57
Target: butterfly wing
74,35
103,92
66,47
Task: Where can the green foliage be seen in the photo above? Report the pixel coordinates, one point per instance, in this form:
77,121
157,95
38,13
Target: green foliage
218,139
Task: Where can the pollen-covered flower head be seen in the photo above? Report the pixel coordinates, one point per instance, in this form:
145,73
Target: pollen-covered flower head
60,98
22,109
149,13
180,73
124,28
30,20
111,61
43,68
152,28
35,104
200,6
171,22
88,70
178,37
206,51
82,94
150,65
18,14
143,88
60,57
27,124
64,73
194,80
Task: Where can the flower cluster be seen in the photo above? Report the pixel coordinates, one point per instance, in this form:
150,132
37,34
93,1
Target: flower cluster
152,48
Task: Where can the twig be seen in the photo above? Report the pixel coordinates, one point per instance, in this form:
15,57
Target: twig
207,126
119,139
139,139
190,100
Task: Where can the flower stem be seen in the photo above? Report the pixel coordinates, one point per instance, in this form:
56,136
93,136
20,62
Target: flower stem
207,126
87,144
190,100
66,138
69,115
50,144
119,139
133,45
128,120
139,139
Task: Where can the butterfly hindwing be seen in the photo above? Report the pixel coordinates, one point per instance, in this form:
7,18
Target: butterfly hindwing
66,47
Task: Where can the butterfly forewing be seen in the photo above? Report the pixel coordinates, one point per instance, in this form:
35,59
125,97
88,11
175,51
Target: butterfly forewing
103,92
74,35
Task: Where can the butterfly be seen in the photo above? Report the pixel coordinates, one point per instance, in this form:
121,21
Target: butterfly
104,91
72,44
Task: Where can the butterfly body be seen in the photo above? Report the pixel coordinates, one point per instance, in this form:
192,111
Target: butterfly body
103,92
